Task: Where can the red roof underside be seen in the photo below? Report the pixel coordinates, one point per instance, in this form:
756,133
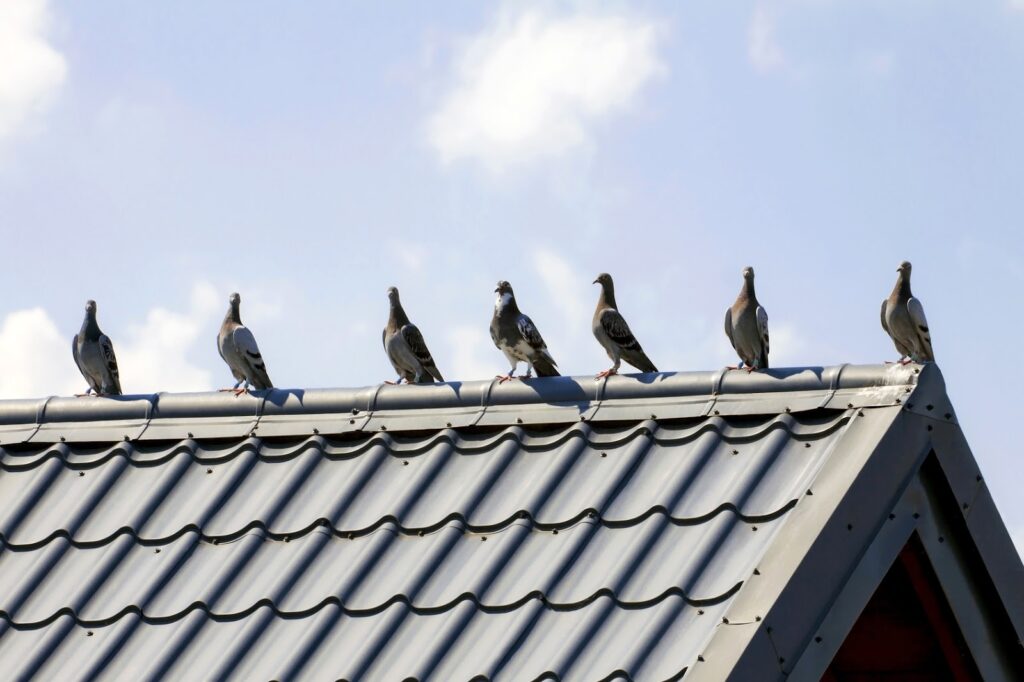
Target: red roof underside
906,632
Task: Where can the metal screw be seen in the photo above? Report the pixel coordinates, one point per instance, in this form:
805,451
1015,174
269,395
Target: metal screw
405,462
81,473
156,551
209,471
735,452
448,424
190,434
519,420
807,445
316,431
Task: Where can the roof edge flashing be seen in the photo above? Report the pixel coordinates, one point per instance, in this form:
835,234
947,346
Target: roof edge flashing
875,385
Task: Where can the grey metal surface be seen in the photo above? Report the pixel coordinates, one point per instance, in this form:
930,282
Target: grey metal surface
519,541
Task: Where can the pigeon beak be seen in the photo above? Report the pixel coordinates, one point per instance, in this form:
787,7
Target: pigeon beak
594,282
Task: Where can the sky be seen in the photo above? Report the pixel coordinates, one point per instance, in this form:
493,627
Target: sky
157,157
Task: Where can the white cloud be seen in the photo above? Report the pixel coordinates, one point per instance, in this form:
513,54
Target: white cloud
472,355
35,359
1017,5
762,46
152,355
531,85
31,70
562,282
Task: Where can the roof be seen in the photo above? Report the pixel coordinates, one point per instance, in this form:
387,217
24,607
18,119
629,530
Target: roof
710,525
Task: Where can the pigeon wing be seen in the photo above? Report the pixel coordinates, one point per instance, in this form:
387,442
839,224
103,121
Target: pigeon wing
417,345
921,326
728,325
618,331
110,361
530,333
249,351
885,325
74,353
762,328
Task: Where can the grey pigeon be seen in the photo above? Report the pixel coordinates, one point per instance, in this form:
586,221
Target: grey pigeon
94,355
746,325
237,346
406,348
517,337
903,319
613,333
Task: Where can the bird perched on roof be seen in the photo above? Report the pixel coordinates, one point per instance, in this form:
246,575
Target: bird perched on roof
517,337
746,325
405,346
94,355
903,319
613,333
237,346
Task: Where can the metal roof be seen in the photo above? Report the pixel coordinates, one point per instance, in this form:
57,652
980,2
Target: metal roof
640,527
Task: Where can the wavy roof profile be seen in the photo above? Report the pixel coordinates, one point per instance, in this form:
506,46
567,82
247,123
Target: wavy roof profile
706,525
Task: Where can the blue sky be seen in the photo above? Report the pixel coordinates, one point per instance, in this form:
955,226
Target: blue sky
158,157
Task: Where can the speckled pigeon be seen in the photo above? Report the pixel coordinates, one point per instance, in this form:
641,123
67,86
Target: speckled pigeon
406,348
903,319
237,346
613,333
517,337
94,355
746,325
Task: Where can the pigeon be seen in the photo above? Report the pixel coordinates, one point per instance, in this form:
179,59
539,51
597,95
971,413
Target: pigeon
613,333
406,348
903,319
94,355
517,337
746,325
237,346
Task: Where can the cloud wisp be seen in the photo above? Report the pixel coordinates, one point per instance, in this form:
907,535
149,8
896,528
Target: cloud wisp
763,48
533,84
31,70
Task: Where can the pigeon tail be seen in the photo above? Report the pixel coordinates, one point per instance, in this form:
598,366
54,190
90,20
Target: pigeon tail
544,366
639,359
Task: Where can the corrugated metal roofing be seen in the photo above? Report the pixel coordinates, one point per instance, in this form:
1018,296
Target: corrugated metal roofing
578,529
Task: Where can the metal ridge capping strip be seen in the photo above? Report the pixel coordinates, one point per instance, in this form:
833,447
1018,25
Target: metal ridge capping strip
295,411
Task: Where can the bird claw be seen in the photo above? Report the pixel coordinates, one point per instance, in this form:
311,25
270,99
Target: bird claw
606,373
502,378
